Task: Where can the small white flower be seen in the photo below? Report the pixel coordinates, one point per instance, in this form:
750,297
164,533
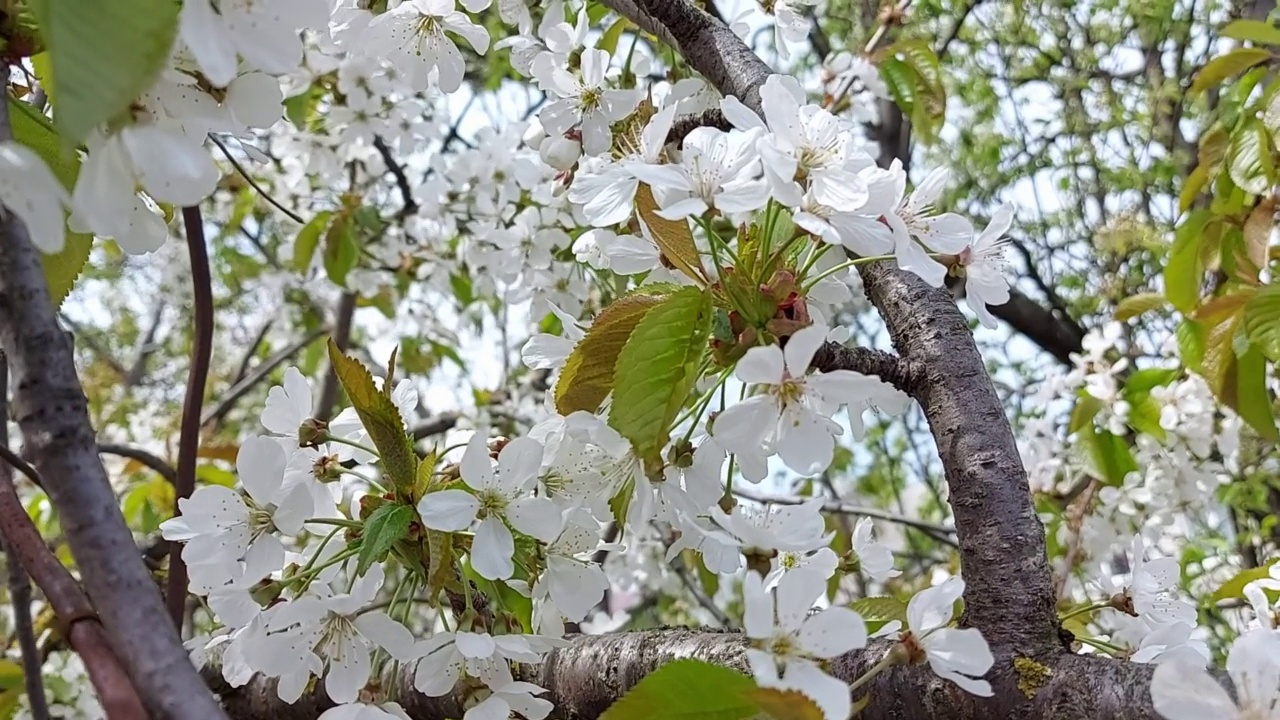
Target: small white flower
606,190
1151,585
1171,642
288,405
793,415
914,218
586,101
874,559
365,711
29,190
716,169
412,37
497,498
958,655
573,583
265,35
1186,691
985,267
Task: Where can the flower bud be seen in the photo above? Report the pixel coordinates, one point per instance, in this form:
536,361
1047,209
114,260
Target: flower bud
560,153
534,136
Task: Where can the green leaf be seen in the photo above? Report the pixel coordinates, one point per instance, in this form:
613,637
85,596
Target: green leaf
387,525
103,55
1252,399
1191,344
588,374
609,40
673,237
1225,66
901,80
777,704
1135,305
34,130
1087,407
381,419
1249,157
440,569
1109,455
304,248
1146,379
1262,321
1144,417
340,251
657,368
1183,270
1257,31
1234,588
880,608
687,690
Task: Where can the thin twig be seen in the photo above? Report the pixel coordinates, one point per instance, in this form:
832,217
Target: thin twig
154,462
19,464
20,588
197,376
253,183
247,360
229,398
941,532
402,182
146,348
434,426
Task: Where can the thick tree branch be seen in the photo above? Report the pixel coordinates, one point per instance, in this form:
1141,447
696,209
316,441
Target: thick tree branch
189,440
51,410
589,675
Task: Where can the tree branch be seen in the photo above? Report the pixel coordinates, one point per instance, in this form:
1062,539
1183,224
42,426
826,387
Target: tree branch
146,348
410,206
229,398
588,676
342,338
900,373
942,533
189,440
51,410
20,586
154,462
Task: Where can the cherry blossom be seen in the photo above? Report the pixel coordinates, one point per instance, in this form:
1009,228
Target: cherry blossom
413,35
984,267
29,190
1186,691
914,217
960,655
586,102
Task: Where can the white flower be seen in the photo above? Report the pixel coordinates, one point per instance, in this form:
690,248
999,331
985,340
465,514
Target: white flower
412,38
365,711
348,425
607,190
288,405
874,560
498,498
222,528
30,191
626,254
791,25
340,631
958,655
1150,586
1186,691
716,169
446,656
266,35
914,218
793,415
574,584
1171,642
985,267
792,528
790,639
544,351
822,561
586,101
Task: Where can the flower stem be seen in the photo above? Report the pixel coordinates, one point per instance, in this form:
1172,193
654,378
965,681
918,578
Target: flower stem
895,656
351,443
1083,610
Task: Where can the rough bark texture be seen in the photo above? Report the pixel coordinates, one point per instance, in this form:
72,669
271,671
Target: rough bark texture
52,413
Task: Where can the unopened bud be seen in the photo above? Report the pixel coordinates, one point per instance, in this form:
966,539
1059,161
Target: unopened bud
560,153
312,432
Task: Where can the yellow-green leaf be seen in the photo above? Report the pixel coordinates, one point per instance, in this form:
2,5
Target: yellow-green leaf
440,568
880,608
1249,157
1183,270
1257,232
1257,31
1225,66
687,690
304,247
673,237
587,377
609,40
340,251
34,130
1252,399
103,56
778,704
657,368
1262,321
1086,408
1234,588
381,419
1135,305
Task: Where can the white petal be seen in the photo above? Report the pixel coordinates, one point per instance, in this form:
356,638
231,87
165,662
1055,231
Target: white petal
1186,692
834,631
260,464
491,550
387,634
448,510
476,469
536,517
801,347
762,365
475,645
757,617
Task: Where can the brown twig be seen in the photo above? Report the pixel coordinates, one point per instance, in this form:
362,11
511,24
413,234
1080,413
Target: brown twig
20,588
260,373
197,376
397,171
342,338
154,462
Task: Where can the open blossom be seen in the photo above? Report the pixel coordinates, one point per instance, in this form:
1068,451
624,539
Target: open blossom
1151,585
716,169
497,498
793,414
265,35
606,190
788,639
29,190
573,583
874,559
413,37
288,405
985,267
914,218
1186,691
960,655
586,101
230,536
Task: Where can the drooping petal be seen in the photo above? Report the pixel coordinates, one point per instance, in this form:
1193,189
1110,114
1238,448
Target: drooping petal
448,510
832,632
491,550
